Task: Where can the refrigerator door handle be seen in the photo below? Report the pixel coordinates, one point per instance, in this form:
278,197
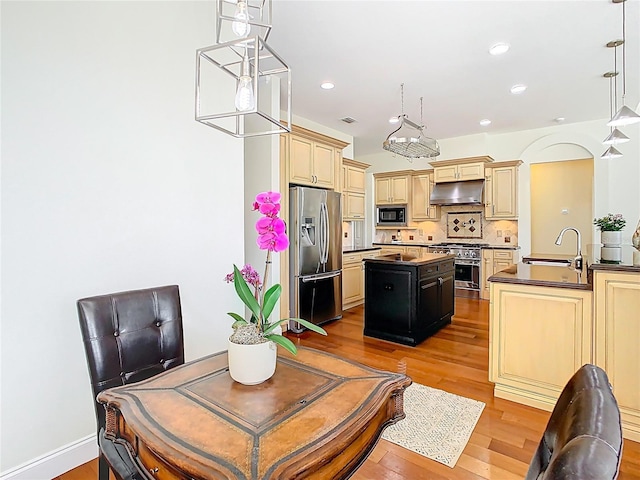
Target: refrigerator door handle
320,277
324,219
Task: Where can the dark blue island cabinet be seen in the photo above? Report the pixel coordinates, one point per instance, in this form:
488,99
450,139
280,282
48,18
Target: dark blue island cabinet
408,299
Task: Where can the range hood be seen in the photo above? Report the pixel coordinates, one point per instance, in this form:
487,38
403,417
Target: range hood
457,193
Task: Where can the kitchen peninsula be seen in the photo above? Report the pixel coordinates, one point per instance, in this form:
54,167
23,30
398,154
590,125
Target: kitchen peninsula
546,321
408,298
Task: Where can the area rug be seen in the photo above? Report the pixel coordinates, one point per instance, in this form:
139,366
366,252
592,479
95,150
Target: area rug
438,424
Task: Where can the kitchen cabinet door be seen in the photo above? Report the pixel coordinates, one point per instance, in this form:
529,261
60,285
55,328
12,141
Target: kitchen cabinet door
352,284
353,206
501,192
355,179
461,172
415,251
392,190
421,208
323,165
486,272
617,337
301,160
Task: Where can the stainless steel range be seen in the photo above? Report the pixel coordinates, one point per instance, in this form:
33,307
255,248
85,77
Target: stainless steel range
467,263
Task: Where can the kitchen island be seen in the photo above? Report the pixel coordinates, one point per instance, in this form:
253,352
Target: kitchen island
408,298
546,321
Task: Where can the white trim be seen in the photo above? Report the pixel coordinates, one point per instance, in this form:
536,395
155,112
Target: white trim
55,463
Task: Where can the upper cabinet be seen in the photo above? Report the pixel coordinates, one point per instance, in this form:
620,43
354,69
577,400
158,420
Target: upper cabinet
460,169
392,188
353,186
314,159
501,190
421,185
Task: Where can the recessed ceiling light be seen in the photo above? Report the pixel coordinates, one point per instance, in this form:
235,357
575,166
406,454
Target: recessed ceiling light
499,48
559,119
484,122
327,85
517,89
394,119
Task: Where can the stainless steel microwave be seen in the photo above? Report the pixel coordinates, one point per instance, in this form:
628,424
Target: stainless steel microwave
392,216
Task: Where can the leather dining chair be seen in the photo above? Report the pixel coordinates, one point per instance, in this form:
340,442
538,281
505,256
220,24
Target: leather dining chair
128,336
583,439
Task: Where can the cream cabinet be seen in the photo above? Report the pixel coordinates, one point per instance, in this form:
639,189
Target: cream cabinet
493,261
421,186
353,189
392,190
501,190
539,337
458,173
617,341
353,277
313,159
353,206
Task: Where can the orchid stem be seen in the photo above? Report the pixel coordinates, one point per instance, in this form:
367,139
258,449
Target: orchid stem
264,290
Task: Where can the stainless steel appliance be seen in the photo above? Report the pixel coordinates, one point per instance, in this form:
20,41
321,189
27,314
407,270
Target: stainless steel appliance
467,266
392,216
315,256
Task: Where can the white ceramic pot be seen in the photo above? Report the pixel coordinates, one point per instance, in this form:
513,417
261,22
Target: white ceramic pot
611,254
252,364
611,239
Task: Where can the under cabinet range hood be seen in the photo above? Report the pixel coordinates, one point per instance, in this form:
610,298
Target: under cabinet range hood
457,193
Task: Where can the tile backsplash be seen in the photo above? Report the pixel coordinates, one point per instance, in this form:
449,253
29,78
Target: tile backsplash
493,232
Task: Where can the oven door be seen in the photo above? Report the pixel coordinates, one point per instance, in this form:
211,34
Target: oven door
468,275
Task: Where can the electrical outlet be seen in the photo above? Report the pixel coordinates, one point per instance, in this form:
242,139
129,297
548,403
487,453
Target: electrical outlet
507,239
346,234
420,232
499,233
430,237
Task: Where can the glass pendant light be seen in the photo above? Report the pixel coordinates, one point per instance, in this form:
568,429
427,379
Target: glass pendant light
624,116
616,136
611,153
245,100
240,25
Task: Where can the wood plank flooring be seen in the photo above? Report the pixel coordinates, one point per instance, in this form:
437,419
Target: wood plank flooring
456,360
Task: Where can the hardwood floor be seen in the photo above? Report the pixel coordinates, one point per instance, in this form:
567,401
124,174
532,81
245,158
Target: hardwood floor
456,360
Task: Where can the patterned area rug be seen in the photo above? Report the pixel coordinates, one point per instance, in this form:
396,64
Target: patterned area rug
438,424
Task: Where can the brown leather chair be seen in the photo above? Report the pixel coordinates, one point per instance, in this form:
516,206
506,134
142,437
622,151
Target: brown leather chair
583,439
128,337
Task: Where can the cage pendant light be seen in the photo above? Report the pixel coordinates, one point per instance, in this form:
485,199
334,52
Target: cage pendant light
624,116
408,139
242,18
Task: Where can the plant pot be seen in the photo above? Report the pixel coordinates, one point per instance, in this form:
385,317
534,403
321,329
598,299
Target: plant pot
611,254
611,239
252,364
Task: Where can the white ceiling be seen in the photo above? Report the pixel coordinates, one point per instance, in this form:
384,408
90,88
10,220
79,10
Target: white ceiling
439,50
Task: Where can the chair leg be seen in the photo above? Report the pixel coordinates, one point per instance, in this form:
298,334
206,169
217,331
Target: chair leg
103,468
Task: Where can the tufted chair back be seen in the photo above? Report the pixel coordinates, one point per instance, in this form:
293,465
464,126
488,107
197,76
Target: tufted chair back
583,439
128,337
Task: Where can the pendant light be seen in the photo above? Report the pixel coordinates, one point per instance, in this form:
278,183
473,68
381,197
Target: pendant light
624,116
616,136
410,142
243,87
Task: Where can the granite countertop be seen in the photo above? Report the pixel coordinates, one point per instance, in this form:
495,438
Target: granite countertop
416,244
359,249
410,260
544,276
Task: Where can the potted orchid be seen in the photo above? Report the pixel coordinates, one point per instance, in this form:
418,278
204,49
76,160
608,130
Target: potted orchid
252,350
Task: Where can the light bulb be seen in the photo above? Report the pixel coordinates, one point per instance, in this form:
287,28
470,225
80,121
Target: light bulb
241,25
244,94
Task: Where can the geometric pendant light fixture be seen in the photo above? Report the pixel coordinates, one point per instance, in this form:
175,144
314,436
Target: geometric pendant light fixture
624,116
243,87
616,136
242,18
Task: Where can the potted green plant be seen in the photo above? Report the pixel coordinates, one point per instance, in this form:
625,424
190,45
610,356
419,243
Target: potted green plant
252,348
610,229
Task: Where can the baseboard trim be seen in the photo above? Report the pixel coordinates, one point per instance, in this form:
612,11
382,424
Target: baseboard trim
55,463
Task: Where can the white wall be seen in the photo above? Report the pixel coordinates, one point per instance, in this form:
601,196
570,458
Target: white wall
615,181
108,184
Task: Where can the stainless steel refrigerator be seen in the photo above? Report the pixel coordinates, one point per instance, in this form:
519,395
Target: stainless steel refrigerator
315,255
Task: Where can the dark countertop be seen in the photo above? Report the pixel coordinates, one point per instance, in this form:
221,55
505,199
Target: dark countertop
414,244
359,249
411,260
544,276
593,258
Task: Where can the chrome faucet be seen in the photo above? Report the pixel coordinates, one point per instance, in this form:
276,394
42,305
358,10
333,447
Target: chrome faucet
578,261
